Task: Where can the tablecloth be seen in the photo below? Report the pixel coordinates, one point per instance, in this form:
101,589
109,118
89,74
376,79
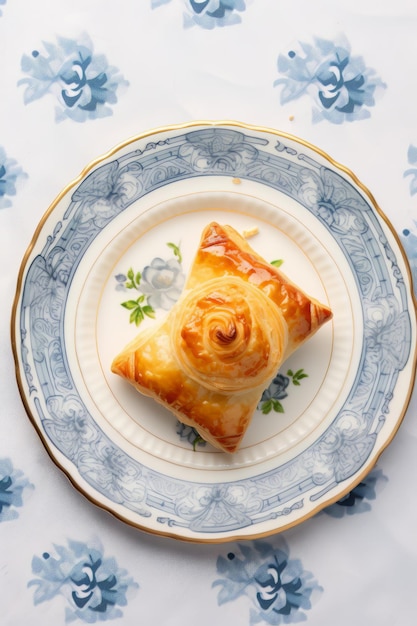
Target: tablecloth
78,78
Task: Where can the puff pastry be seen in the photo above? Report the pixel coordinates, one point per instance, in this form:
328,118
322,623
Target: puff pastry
223,342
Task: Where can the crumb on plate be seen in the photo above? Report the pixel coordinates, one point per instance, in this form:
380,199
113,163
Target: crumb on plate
250,232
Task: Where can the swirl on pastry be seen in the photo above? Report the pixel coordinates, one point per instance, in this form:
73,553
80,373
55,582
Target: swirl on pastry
229,335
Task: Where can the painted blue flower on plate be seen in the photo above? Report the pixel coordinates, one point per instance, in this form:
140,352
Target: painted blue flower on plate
340,84
160,284
84,84
279,588
209,13
93,585
187,433
276,391
10,175
12,486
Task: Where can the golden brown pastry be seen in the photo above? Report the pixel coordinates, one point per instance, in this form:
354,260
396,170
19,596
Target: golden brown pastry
223,342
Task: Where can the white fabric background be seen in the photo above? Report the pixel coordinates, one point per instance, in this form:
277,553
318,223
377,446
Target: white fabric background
366,563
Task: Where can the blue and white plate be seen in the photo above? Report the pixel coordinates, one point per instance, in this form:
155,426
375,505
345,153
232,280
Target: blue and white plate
110,258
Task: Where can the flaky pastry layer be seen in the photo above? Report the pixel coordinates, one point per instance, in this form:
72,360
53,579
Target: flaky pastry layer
223,342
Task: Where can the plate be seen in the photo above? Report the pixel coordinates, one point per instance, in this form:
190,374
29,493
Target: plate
110,258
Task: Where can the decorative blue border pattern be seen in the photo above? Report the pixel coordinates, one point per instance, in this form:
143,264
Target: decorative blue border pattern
345,446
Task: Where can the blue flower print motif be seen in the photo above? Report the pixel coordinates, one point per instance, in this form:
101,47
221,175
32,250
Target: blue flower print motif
412,159
83,83
11,174
340,85
279,588
2,2
357,500
94,586
409,241
209,14
13,484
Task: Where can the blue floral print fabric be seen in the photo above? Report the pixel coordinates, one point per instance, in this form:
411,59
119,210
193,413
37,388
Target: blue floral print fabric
94,585
85,86
13,484
278,588
339,84
359,499
209,13
11,174
411,173
408,235
409,241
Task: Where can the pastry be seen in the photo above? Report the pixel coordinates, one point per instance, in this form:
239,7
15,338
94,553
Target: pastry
224,340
